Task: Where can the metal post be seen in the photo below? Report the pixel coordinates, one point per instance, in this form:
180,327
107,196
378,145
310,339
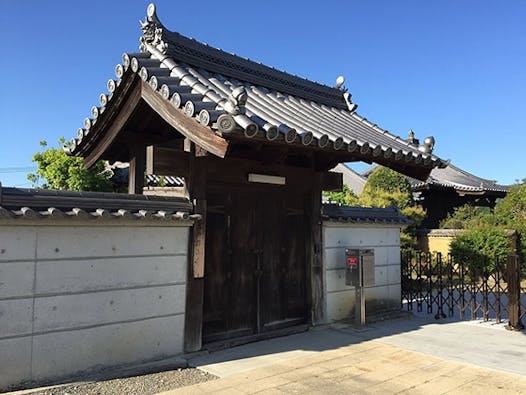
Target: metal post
359,316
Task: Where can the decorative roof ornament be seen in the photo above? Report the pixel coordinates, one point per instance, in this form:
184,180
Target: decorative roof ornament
429,144
411,138
426,147
350,105
152,30
339,83
346,95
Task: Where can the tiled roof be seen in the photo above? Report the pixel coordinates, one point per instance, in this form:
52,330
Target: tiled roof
452,177
364,215
462,181
43,203
230,94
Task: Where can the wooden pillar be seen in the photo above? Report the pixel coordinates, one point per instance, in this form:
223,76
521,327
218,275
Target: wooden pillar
195,280
316,264
513,274
136,171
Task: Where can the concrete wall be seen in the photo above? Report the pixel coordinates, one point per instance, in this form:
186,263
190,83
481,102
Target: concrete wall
79,297
381,298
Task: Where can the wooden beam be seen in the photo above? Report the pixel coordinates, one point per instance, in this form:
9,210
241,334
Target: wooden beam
149,168
332,181
193,326
197,183
513,274
199,151
136,171
198,258
316,267
195,280
189,127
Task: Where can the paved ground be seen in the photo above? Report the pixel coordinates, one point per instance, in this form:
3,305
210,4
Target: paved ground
414,355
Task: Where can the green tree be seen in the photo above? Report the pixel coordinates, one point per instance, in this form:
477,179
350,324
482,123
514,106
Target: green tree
467,217
480,248
57,170
385,188
485,236
510,213
345,197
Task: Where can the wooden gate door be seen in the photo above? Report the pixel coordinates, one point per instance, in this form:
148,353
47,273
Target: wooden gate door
255,269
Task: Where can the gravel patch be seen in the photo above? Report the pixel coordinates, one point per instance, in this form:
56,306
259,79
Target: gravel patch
140,385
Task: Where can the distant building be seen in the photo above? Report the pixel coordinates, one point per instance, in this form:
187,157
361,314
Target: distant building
451,187
352,179
446,189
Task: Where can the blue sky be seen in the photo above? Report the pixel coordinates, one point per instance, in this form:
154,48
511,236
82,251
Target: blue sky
452,69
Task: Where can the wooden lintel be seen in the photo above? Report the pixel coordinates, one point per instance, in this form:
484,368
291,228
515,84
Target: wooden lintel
199,134
331,181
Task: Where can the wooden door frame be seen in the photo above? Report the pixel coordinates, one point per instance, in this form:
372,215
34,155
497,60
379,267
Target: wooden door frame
314,271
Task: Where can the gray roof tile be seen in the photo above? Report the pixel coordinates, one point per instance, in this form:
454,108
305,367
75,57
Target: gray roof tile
364,215
458,179
205,80
451,177
43,203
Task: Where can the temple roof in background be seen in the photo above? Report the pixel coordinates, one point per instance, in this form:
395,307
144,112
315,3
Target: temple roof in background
452,177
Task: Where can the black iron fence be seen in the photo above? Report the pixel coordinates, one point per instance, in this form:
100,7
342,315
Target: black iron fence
471,289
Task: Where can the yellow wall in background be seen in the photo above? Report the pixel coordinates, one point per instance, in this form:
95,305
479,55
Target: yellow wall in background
438,240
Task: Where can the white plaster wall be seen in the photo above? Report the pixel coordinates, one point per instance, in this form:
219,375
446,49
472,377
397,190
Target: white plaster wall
385,294
76,297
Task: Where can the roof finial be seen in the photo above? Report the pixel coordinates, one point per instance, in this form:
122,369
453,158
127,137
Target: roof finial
152,30
411,138
411,135
429,144
339,82
151,13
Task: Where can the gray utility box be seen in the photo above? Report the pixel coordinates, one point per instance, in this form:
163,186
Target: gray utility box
360,274
360,267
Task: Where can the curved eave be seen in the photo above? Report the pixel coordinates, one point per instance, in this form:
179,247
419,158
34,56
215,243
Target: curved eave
460,189
99,133
195,103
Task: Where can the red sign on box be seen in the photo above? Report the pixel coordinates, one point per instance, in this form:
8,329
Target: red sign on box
352,261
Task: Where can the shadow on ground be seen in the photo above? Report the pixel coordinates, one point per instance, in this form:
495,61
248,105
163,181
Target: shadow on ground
484,344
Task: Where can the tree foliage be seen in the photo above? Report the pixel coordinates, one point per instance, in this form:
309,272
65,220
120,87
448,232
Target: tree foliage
345,197
387,180
385,188
509,213
480,248
468,216
57,170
